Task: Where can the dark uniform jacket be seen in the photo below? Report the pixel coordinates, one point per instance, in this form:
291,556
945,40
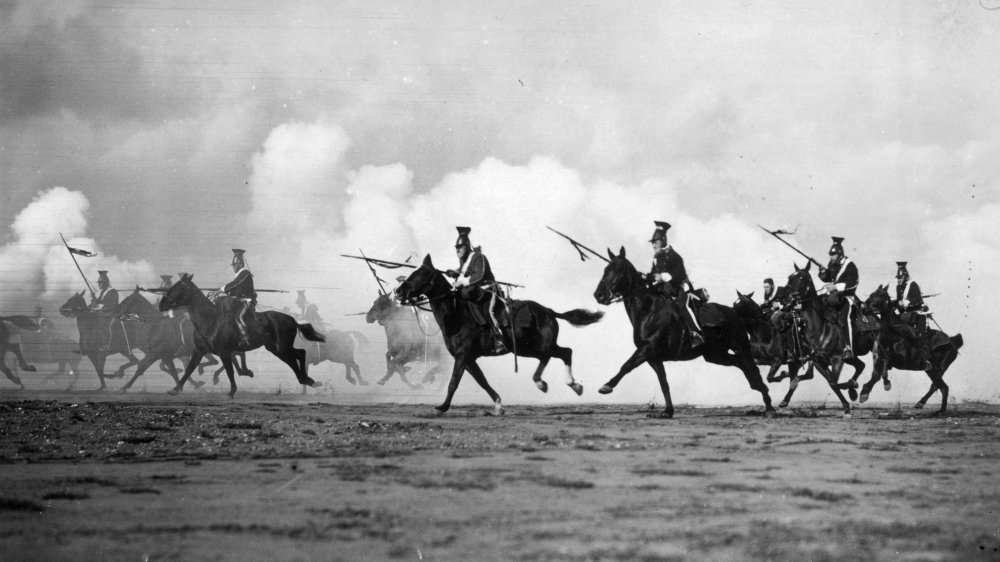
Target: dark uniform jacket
778,295
108,301
670,262
845,274
241,287
909,296
477,269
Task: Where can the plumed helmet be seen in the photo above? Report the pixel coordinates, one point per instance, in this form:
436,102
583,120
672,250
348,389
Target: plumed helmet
463,237
661,231
837,249
769,281
238,256
901,272
167,281
102,277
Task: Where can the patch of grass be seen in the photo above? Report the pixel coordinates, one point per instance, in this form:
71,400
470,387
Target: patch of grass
660,471
66,495
139,439
709,459
735,487
138,490
537,458
819,495
241,425
921,470
18,504
89,480
556,482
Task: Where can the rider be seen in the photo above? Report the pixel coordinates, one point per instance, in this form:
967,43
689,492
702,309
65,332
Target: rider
474,276
669,274
841,278
241,287
105,304
770,295
913,312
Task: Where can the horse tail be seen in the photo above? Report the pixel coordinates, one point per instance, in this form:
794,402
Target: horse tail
310,333
358,336
21,321
579,316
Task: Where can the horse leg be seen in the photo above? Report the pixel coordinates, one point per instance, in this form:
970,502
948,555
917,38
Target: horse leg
347,373
661,376
140,369
192,363
25,366
98,358
537,377
227,364
752,374
357,372
429,375
390,368
406,381
793,383
866,389
832,381
7,372
480,378
774,368
937,380
245,371
639,356
293,358
456,376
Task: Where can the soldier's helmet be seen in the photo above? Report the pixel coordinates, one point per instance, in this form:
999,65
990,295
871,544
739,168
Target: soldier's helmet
400,279
837,248
901,273
167,281
661,231
102,278
238,258
463,237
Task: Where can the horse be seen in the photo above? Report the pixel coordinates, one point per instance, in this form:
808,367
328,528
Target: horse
338,348
165,337
6,345
99,341
770,345
896,350
826,334
47,346
660,335
216,332
533,332
407,340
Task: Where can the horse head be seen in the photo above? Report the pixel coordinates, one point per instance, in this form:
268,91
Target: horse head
619,279
879,300
420,284
135,305
800,283
746,307
382,305
178,295
75,305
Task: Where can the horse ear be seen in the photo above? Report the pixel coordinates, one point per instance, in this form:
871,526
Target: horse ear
808,265
427,261
796,266
739,294
750,296
621,253
81,293
611,254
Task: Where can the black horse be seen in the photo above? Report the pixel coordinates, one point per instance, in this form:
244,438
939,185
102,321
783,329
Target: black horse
659,332
897,350
408,339
534,329
6,345
771,345
216,332
164,341
826,333
101,336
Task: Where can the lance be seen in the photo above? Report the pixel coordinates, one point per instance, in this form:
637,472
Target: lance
159,290
381,287
785,242
92,295
396,265
580,248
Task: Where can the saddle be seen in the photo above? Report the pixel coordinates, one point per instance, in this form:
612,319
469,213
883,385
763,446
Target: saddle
707,314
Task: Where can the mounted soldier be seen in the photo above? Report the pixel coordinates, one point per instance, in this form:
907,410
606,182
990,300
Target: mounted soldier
241,288
473,279
670,277
912,311
105,304
841,278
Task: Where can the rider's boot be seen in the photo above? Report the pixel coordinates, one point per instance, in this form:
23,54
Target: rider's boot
697,339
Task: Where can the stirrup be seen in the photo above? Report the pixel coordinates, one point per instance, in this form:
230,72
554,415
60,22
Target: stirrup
697,340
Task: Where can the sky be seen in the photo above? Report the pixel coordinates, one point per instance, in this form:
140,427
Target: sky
163,134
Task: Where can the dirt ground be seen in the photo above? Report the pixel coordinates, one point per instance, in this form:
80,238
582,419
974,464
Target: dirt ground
200,477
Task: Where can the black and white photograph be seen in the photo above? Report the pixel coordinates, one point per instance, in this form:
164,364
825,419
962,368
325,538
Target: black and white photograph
531,281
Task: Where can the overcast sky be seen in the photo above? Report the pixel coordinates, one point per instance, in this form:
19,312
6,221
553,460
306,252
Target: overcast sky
162,134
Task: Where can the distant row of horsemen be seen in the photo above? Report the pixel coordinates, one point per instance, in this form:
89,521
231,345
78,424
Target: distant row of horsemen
672,320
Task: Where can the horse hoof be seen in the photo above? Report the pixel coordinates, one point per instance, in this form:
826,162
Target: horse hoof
918,406
198,384
770,413
863,398
362,382
123,389
174,391
605,389
783,405
440,410
577,388
542,385
847,415
664,414
887,385
852,394
215,381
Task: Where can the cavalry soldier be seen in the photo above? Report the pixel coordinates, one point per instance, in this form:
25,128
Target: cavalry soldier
841,278
669,275
473,277
770,296
241,287
105,304
912,310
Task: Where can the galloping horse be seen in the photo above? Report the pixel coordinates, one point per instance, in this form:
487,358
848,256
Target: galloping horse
534,328
338,348
6,345
407,340
894,350
216,333
770,345
826,334
659,333
165,339
98,341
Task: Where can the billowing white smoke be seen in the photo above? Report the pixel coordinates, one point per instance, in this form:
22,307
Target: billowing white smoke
36,269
